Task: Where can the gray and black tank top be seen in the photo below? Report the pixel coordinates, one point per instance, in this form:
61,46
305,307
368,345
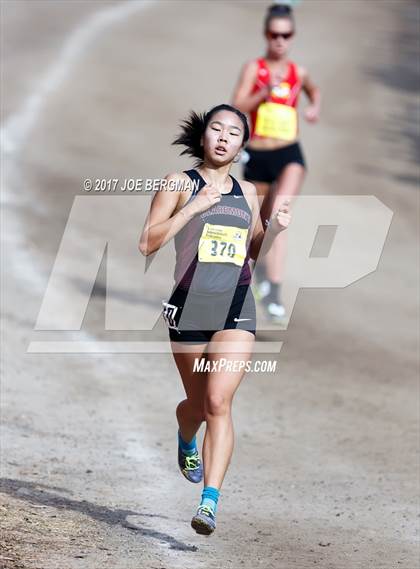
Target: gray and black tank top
212,249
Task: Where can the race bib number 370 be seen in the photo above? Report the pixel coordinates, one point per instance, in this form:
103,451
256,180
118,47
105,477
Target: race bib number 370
276,121
222,244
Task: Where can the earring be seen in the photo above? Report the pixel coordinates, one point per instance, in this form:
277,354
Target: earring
237,158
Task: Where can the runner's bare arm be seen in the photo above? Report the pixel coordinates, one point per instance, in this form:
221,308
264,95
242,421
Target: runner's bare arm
242,98
258,233
261,240
313,93
168,216
161,224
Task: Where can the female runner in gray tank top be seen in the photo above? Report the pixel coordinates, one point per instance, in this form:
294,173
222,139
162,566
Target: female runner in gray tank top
210,314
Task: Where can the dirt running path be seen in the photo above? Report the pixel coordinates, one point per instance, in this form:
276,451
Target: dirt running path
324,471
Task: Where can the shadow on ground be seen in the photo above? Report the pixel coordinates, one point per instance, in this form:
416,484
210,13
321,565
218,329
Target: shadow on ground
42,494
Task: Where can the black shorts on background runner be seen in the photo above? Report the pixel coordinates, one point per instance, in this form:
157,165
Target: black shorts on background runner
266,165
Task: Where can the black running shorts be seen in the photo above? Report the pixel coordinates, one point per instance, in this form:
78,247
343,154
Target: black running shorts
267,165
194,318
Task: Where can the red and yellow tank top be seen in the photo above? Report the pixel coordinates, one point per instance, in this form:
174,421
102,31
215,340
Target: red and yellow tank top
276,117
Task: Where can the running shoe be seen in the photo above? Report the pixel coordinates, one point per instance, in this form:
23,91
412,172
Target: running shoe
190,466
261,290
275,311
204,521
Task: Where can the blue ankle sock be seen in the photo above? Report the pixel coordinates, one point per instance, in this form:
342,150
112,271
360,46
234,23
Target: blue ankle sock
210,497
187,448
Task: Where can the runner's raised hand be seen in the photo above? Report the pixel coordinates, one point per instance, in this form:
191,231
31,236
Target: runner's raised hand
208,196
280,220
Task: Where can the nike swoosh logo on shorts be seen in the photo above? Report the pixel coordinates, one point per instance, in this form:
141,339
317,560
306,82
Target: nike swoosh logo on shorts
238,196
241,319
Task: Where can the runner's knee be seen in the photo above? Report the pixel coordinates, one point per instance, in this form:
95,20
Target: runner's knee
216,405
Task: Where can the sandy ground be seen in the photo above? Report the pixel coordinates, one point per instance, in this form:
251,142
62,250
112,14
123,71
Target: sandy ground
324,469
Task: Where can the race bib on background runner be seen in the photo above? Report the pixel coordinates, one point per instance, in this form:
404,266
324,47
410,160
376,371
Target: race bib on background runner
222,244
276,121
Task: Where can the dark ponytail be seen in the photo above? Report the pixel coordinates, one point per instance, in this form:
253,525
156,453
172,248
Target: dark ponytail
278,11
193,127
